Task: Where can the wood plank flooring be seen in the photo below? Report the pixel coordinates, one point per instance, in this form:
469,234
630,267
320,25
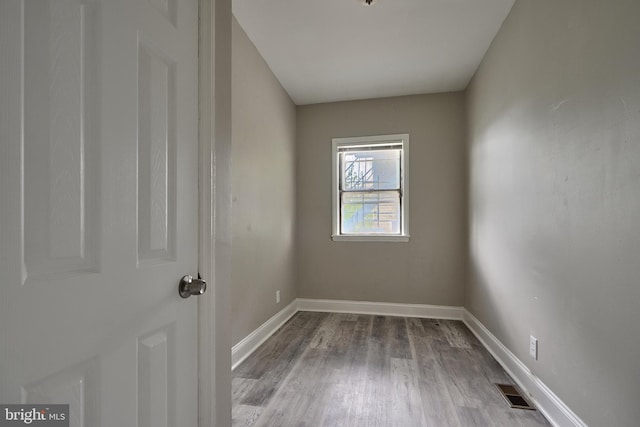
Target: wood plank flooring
347,370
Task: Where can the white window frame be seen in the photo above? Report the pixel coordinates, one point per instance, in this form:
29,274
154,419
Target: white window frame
369,141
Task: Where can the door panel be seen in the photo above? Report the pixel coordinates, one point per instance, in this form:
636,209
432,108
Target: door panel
98,213
60,142
156,156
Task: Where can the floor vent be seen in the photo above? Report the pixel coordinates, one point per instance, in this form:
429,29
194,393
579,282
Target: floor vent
513,397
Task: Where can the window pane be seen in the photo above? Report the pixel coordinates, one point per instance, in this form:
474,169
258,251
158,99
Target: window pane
370,170
370,213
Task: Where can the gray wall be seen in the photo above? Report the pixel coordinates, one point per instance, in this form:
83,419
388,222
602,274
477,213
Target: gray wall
430,268
263,181
554,126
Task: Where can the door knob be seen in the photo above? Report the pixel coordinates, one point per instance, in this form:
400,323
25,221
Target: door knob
189,286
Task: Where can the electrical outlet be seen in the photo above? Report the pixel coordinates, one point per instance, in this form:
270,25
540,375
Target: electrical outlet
533,347
277,297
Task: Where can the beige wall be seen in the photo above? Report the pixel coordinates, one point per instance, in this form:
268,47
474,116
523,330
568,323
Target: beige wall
430,269
263,150
554,125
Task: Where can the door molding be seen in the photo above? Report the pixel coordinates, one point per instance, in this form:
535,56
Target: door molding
214,263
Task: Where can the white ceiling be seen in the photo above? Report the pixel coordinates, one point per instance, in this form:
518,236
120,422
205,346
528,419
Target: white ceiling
335,50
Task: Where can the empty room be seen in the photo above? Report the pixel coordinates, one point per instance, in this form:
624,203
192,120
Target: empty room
340,213
429,198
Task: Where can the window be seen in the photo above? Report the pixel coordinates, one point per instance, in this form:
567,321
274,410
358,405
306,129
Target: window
370,188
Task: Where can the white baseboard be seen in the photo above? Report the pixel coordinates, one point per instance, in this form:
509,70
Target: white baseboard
554,409
381,308
251,342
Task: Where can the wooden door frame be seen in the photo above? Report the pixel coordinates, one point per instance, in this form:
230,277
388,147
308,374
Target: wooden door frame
214,246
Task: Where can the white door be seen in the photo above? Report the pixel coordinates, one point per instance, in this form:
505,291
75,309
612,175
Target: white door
98,208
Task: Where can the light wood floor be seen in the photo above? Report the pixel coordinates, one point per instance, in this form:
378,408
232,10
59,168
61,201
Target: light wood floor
347,370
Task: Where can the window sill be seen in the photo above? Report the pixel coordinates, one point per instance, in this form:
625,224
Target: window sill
370,238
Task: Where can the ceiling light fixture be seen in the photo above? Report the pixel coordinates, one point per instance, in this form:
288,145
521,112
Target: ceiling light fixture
367,2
